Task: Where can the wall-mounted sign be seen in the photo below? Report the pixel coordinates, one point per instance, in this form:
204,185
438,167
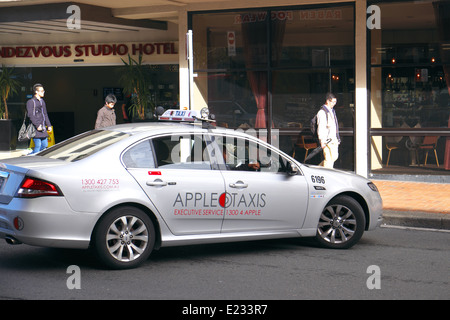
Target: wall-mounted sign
91,53
118,92
322,14
85,50
231,41
262,15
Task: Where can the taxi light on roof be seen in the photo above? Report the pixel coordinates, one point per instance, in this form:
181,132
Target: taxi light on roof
179,115
185,115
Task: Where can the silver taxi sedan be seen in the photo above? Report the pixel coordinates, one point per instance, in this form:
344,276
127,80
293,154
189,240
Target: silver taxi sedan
130,189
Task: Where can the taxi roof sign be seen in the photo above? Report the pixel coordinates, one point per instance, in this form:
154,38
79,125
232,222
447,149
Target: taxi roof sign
179,115
183,115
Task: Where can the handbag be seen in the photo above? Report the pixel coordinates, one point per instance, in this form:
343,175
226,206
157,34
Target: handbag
26,132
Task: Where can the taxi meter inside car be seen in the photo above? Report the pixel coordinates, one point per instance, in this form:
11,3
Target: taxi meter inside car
129,189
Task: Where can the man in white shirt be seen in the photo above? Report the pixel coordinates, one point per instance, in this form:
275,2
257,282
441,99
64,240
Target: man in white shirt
328,131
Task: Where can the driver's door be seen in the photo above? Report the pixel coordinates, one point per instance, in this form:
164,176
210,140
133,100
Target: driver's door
264,198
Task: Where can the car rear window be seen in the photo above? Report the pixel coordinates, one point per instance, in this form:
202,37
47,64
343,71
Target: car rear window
83,145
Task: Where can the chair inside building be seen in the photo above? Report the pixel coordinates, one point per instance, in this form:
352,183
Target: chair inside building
306,142
391,146
429,143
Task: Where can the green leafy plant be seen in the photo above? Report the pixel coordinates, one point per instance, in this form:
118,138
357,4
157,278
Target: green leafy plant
9,85
135,80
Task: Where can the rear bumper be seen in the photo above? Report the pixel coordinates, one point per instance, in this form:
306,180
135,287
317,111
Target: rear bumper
58,226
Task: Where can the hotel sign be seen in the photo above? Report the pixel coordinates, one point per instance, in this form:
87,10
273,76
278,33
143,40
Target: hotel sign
90,53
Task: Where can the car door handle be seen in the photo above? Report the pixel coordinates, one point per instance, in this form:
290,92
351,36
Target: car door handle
157,183
238,184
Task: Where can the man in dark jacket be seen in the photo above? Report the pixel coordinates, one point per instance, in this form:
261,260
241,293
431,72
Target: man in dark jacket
106,116
37,112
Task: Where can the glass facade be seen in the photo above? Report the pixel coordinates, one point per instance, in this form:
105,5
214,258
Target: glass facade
409,86
271,68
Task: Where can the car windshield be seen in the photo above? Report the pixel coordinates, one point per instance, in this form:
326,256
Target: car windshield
83,145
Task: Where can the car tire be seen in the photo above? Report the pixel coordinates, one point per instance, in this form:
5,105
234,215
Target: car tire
124,238
341,223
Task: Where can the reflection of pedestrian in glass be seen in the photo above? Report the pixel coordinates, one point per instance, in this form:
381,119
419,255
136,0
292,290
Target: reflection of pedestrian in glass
328,131
37,112
106,116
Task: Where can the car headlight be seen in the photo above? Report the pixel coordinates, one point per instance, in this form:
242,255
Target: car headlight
372,186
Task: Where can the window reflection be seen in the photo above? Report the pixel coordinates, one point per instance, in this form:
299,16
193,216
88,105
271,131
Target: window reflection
409,87
272,68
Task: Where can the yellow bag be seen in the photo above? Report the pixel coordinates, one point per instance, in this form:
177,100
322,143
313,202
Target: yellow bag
51,139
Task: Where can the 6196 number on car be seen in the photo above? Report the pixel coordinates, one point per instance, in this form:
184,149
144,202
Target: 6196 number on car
318,179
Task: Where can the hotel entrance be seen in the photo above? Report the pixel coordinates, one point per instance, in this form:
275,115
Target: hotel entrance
74,94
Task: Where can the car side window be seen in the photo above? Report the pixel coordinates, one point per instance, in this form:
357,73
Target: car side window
182,152
246,155
139,156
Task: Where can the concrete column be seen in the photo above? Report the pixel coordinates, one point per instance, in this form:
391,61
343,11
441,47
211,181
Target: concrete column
361,107
376,101
182,61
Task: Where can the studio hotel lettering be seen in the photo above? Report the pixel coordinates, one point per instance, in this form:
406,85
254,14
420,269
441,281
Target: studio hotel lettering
79,52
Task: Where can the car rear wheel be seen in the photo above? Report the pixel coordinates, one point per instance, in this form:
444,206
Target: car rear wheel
341,223
124,238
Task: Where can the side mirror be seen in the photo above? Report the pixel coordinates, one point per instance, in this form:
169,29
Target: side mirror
292,169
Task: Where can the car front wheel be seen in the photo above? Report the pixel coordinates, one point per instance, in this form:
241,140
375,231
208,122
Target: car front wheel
124,238
341,223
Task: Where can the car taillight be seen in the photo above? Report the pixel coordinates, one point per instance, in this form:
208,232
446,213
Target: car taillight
32,188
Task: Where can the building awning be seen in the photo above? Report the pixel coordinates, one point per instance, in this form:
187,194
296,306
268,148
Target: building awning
54,18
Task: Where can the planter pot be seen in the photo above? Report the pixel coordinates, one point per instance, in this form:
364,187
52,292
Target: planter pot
8,135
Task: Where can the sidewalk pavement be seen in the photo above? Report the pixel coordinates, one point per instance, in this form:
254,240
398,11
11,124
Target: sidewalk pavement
408,204
13,153
415,204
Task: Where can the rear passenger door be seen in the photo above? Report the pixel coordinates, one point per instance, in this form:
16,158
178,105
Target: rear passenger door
180,181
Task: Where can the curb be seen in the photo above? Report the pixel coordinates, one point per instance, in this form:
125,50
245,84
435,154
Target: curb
415,219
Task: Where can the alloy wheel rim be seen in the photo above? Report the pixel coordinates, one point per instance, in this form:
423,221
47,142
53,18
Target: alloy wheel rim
127,238
337,224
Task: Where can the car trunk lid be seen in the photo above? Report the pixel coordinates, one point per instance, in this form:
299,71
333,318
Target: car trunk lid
13,171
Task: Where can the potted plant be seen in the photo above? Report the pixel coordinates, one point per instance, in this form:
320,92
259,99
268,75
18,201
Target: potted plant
9,85
134,78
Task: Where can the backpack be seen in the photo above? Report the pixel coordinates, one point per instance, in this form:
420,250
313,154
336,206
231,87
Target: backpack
313,124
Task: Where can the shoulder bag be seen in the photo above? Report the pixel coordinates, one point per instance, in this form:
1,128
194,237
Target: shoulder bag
26,132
